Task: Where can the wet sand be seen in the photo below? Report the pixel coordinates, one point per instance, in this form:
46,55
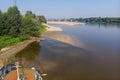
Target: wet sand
68,39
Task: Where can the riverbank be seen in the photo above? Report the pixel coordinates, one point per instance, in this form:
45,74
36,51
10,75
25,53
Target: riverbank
65,23
50,28
12,50
52,32
9,51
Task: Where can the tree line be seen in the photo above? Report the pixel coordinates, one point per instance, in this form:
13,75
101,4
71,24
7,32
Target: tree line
90,20
12,23
15,27
98,20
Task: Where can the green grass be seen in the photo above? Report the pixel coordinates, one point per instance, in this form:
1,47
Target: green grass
42,29
9,41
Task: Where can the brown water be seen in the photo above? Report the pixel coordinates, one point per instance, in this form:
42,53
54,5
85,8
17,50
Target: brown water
96,58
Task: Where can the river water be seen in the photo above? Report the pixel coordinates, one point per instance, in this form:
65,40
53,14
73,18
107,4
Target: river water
96,58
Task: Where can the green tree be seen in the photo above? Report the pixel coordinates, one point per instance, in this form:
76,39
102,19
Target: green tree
29,14
13,21
3,24
0,12
34,16
41,19
15,28
29,27
14,25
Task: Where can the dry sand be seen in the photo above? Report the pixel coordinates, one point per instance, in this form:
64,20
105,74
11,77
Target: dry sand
65,23
52,28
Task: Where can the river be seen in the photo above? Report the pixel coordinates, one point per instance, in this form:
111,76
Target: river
96,58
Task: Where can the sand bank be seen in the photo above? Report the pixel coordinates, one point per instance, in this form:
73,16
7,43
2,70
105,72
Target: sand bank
52,28
65,23
53,33
65,38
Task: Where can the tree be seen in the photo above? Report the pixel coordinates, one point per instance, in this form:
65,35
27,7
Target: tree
14,25
29,27
29,14
41,19
34,16
3,24
0,12
13,21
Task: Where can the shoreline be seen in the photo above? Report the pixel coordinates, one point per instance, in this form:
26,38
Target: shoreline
64,38
65,23
12,50
52,32
50,28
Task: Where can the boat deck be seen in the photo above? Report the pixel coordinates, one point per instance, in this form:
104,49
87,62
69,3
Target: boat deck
28,74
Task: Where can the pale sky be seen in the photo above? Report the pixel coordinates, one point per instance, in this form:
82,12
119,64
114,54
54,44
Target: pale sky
67,8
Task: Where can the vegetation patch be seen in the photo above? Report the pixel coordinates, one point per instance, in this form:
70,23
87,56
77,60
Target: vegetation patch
15,27
42,29
8,41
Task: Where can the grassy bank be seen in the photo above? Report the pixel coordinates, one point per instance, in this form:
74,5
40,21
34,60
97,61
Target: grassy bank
9,41
42,28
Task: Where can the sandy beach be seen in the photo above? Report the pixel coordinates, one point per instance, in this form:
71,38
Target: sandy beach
65,23
52,32
52,28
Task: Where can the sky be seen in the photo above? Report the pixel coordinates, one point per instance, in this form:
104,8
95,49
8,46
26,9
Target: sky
66,8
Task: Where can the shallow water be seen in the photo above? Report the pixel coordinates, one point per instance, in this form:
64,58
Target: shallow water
96,58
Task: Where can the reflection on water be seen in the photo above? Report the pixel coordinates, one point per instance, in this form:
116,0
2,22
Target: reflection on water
97,59
30,52
63,61
27,56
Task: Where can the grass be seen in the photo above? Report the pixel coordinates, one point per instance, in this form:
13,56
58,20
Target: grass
9,41
42,29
